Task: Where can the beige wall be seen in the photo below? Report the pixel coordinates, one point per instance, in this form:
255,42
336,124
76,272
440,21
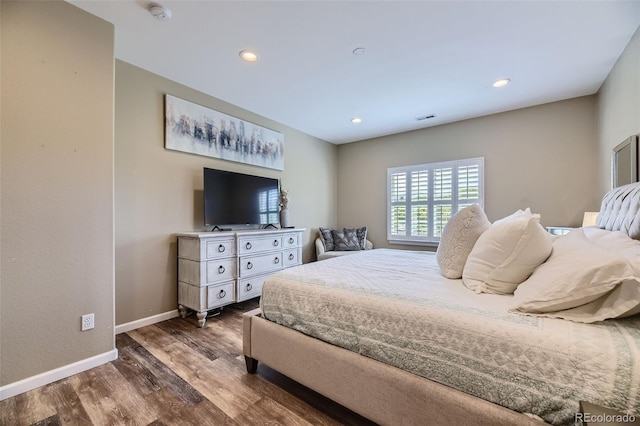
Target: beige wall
57,187
159,192
543,157
618,107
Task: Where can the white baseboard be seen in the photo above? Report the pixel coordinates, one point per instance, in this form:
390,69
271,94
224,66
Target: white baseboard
47,377
51,376
123,328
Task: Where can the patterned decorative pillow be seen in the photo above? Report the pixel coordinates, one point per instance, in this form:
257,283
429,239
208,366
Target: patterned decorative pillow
458,238
362,236
346,239
327,239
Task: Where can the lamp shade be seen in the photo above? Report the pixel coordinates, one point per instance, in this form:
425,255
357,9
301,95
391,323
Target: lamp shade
589,218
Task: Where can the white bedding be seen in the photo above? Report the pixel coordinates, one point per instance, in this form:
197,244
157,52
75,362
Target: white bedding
396,307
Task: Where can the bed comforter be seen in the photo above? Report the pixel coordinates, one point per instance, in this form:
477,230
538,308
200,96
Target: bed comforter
395,306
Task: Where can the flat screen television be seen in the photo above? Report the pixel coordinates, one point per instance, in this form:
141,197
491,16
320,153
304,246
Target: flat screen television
238,199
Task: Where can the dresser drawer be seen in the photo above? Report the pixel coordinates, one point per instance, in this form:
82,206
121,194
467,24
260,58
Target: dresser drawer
251,287
261,264
205,273
291,240
249,245
292,257
201,299
220,270
220,295
206,248
216,249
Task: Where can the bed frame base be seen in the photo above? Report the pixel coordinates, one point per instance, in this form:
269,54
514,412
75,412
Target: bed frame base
252,364
379,392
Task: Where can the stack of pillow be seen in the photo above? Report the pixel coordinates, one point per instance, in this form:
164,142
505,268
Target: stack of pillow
587,275
492,258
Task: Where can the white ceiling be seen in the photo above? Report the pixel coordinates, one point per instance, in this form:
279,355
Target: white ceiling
422,57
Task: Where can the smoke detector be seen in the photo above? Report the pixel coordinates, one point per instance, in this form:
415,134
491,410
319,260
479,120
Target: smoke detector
359,51
160,12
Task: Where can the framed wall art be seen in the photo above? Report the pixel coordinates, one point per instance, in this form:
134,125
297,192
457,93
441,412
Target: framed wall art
200,130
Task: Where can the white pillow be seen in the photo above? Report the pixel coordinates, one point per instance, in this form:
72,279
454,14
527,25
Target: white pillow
458,238
581,281
617,242
507,253
520,214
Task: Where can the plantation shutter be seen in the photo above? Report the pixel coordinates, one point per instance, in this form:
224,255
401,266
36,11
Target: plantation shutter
421,199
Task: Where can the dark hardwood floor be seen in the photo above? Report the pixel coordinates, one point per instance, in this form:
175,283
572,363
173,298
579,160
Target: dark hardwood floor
174,373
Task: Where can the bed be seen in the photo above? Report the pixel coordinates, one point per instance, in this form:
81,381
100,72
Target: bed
386,334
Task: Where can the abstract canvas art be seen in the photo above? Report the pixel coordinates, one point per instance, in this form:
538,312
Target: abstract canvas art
200,130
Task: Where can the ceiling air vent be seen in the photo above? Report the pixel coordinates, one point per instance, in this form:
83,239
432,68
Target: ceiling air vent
425,117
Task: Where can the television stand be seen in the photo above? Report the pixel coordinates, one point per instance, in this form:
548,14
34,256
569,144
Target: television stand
220,268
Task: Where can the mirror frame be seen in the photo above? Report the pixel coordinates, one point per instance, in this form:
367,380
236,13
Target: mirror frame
631,168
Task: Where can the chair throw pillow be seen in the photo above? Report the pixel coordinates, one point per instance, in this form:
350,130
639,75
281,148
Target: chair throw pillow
362,236
458,238
346,239
327,239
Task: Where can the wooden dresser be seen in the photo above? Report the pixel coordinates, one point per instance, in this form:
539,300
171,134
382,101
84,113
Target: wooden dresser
219,268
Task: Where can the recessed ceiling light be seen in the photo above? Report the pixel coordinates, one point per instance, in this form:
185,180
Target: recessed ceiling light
249,55
502,82
356,120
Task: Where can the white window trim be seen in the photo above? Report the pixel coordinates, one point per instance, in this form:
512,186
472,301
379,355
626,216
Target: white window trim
430,240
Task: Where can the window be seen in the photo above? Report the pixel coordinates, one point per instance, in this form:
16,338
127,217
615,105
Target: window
269,208
421,199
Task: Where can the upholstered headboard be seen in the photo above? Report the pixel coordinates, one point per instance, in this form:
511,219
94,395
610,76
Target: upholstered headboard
620,210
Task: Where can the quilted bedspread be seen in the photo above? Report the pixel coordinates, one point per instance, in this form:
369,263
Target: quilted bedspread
396,307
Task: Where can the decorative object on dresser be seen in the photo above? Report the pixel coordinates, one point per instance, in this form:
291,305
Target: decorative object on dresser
219,268
284,208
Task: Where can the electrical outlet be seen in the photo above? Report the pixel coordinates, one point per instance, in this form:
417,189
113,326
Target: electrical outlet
87,322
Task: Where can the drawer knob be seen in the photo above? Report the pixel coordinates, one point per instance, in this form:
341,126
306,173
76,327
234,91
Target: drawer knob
249,287
221,248
222,294
291,240
276,260
248,246
291,256
276,243
249,265
221,269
